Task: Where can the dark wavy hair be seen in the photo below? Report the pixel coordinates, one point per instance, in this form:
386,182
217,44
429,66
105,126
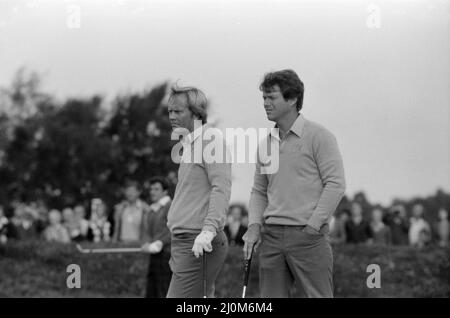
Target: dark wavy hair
161,180
290,85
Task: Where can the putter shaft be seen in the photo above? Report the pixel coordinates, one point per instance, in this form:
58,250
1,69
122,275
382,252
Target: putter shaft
108,250
205,291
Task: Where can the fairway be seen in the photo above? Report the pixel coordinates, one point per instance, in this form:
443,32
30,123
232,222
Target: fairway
36,269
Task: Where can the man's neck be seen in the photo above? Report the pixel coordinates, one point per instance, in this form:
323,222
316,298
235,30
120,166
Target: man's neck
285,123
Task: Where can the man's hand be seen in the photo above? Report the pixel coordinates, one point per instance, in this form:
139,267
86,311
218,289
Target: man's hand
251,238
152,248
310,230
203,243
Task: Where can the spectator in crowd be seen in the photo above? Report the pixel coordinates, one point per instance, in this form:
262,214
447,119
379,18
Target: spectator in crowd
56,232
419,230
357,229
23,225
398,224
443,228
70,223
337,227
172,179
128,216
235,229
81,222
42,216
157,238
381,232
3,226
99,226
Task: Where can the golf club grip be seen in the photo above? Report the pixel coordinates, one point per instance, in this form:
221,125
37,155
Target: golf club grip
247,265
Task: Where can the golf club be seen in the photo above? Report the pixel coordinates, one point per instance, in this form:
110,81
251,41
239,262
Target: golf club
204,276
247,265
108,250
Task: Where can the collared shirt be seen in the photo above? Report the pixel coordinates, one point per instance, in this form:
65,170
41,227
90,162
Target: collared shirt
203,190
418,225
160,204
309,182
155,223
131,221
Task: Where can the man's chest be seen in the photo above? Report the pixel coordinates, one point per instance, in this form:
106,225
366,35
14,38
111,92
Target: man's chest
295,158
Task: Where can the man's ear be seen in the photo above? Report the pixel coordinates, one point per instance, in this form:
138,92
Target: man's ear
293,101
196,117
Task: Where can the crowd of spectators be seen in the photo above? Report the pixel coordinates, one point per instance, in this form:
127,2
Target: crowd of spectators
389,227
78,223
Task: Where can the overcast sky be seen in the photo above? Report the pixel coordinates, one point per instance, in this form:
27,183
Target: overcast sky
383,91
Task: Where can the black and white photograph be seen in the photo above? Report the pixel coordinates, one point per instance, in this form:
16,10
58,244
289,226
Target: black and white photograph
252,149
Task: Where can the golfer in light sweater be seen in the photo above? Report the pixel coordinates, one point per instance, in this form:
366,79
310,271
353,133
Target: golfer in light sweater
197,215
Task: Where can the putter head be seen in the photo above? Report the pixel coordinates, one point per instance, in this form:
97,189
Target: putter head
80,249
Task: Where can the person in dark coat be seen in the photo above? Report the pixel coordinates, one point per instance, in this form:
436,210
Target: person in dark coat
235,228
357,229
157,237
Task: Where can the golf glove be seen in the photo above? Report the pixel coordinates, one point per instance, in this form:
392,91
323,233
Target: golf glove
155,247
152,248
203,243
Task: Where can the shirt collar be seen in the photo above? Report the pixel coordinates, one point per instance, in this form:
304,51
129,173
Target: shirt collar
296,128
138,204
161,203
190,138
164,200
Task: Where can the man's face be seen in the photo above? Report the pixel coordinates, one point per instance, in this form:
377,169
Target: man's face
356,210
344,217
132,194
417,210
377,215
172,176
443,214
79,212
67,214
54,217
179,114
275,104
157,192
236,215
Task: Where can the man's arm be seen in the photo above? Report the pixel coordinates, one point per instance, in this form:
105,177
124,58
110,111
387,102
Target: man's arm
219,176
117,221
331,169
162,231
257,206
258,197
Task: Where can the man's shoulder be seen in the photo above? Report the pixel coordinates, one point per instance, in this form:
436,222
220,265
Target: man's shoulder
316,132
314,128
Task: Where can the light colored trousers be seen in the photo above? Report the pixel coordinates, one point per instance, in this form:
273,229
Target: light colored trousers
290,257
187,270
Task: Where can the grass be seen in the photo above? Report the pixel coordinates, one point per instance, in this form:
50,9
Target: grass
38,269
